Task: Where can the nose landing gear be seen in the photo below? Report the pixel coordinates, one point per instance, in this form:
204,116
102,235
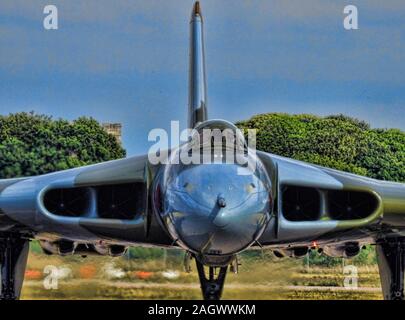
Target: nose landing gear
212,286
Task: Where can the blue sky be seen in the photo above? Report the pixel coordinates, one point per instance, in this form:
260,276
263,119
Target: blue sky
127,61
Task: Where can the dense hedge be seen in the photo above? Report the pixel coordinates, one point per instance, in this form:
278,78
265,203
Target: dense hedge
338,142
32,144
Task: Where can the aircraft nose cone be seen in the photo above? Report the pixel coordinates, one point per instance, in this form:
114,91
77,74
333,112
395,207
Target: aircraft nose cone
218,209
221,220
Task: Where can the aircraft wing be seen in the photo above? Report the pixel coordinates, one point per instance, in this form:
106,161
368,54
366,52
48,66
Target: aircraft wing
315,203
103,201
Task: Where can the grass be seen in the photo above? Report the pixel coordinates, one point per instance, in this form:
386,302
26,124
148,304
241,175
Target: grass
259,278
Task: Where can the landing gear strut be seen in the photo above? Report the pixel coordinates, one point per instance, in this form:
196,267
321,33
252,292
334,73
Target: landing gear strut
213,286
391,263
13,260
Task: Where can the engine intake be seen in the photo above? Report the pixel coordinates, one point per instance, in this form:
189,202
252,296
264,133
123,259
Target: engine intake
301,203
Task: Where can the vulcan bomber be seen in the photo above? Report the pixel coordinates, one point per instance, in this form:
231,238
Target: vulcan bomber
212,211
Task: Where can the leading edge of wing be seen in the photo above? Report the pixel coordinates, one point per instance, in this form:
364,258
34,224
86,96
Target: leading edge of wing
23,201
304,173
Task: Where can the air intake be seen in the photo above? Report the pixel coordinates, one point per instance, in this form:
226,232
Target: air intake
351,205
70,202
121,201
301,203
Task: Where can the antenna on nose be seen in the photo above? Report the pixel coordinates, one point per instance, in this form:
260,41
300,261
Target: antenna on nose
221,201
197,104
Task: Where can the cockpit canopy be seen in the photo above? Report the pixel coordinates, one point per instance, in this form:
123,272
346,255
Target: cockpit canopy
231,135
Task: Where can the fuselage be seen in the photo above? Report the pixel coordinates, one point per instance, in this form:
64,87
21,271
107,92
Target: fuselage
216,209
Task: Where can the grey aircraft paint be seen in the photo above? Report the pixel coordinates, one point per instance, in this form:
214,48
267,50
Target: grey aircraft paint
209,210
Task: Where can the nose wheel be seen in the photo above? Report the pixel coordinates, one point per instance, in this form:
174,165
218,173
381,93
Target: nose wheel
213,285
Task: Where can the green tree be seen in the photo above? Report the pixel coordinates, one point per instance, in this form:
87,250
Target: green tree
338,142
32,144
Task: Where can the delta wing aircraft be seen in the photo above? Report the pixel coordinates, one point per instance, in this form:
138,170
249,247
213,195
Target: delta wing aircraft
212,211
